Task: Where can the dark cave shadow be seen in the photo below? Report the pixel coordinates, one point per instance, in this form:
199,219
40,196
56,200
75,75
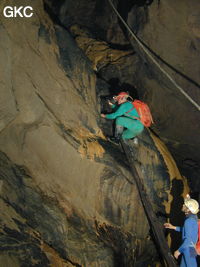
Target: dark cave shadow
124,13
54,10
117,87
176,216
123,47
126,6
171,67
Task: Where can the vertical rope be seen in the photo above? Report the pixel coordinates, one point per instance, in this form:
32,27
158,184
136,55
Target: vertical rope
153,59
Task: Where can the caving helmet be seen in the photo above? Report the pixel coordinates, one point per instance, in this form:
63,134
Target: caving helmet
191,204
121,95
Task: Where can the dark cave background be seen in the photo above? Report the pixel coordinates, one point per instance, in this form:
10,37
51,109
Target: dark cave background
177,121
67,196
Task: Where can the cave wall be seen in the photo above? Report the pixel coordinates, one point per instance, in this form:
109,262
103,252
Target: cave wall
171,30
65,192
56,200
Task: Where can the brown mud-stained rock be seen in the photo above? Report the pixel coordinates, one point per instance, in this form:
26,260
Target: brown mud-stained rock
170,30
67,195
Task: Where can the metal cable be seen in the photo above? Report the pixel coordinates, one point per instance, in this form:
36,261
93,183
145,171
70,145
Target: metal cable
153,59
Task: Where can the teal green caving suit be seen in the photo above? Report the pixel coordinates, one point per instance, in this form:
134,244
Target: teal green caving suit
133,126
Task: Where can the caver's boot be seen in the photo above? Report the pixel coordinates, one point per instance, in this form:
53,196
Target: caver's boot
133,145
118,133
135,141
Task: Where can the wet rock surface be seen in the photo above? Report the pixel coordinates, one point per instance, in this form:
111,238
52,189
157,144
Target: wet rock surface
67,195
170,31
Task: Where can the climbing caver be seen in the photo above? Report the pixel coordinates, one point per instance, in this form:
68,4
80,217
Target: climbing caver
128,116
134,116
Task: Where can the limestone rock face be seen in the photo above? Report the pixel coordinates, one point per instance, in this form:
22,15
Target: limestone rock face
170,30
8,101
67,196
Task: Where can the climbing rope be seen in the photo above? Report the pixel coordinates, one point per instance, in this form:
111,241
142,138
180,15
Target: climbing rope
152,58
156,226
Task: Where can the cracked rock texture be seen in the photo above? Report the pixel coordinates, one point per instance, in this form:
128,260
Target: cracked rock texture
170,30
67,196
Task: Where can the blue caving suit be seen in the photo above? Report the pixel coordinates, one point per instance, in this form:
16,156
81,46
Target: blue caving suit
189,238
133,126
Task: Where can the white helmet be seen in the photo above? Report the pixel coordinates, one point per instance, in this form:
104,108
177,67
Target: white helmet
191,204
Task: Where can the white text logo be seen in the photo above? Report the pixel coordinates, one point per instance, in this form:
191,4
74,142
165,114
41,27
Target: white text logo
13,12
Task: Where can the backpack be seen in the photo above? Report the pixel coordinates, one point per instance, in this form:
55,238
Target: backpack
198,242
143,111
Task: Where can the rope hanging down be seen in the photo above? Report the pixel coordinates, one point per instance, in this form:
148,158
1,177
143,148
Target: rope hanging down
156,226
152,58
